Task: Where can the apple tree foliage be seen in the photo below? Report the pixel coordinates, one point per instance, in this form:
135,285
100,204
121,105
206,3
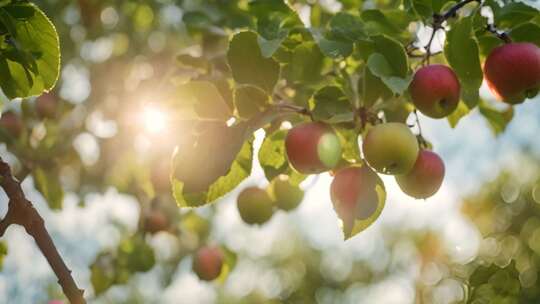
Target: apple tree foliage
350,69
240,66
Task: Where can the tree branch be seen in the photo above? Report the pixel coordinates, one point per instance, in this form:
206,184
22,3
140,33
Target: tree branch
500,34
437,24
22,212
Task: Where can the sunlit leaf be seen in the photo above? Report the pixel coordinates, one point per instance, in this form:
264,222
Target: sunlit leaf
48,184
34,65
248,65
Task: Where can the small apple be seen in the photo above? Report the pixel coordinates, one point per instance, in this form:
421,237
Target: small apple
313,147
435,90
286,196
255,206
512,71
425,178
11,123
390,148
46,105
207,263
354,194
156,221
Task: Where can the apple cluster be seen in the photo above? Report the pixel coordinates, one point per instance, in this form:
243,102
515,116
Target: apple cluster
388,148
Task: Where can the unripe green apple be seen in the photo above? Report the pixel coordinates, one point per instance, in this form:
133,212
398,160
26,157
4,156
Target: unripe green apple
156,221
425,178
11,123
435,90
255,206
390,148
512,71
46,105
207,263
313,147
286,196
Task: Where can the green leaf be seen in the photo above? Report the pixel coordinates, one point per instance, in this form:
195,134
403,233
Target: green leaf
229,262
275,20
48,184
344,26
461,111
512,14
371,88
421,8
272,156
103,273
498,120
349,144
330,104
526,32
3,253
461,51
332,48
250,101
306,63
375,23
37,66
248,65
395,54
217,161
361,225
135,255
201,99
381,68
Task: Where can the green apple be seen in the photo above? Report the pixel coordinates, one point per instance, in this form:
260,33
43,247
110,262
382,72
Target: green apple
207,263
255,206
425,178
312,147
390,148
285,195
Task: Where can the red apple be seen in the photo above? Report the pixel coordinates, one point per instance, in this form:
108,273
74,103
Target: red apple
46,105
156,221
313,147
425,178
207,263
435,90
512,71
354,194
11,123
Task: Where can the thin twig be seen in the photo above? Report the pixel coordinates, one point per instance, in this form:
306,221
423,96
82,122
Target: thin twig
437,24
22,212
499,34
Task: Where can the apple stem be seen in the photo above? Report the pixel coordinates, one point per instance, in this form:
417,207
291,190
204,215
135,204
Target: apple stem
22,212
499,34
